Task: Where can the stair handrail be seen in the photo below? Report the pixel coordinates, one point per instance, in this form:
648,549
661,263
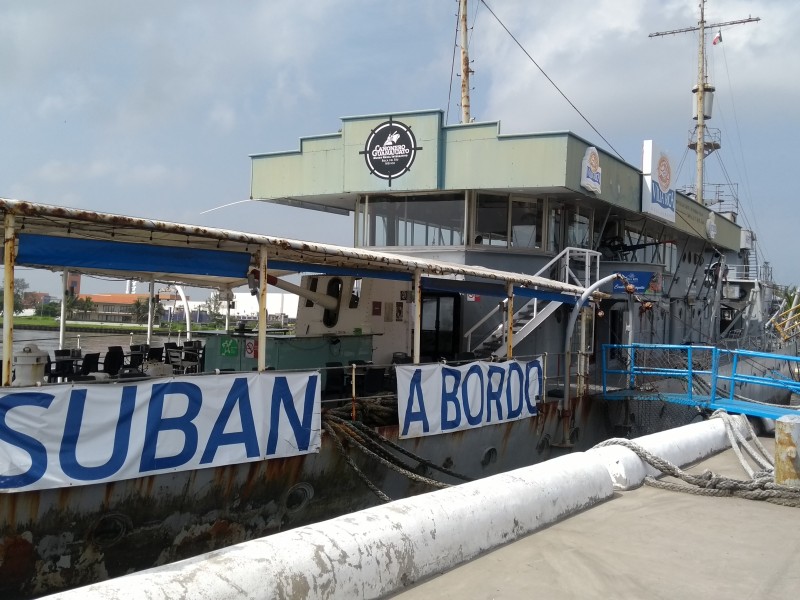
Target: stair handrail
567,254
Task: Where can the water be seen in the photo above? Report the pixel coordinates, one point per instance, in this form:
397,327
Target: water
47,341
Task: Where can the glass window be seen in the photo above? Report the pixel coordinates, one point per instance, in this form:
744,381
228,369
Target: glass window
670,257
554,227
579,227
491,221
428,220
526,223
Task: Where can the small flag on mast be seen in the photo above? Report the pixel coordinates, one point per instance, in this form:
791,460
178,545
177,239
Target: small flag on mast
717,39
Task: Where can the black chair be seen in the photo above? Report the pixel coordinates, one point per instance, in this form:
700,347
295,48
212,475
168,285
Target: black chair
398,358
174,358
113,361
136,357
63,366
201,359
334,379
374,380
155,354
90,364
167,347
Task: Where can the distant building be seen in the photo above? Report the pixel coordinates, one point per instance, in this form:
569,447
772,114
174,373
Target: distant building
37,299
245,306
109,308
73,284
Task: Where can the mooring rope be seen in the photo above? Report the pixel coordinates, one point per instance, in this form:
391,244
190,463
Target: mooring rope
762,486
384,440
359,473
332,423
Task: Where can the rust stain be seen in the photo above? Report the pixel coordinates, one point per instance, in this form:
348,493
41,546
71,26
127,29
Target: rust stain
289,468
252,476
34,500
64,497
143,486
508,429
11,509
107,494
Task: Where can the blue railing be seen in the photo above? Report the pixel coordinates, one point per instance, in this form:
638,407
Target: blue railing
725,383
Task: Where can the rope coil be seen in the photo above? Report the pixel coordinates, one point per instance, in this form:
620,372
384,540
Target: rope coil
761,486
374,446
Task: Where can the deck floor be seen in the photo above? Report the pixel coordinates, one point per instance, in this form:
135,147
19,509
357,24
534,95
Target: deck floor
644,543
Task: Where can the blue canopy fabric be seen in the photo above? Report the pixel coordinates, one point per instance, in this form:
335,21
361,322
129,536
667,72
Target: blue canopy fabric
50,251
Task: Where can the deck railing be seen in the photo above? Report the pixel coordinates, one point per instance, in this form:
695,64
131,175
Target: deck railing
648,369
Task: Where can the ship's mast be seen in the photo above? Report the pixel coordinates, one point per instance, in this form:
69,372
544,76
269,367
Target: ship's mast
701,146
462,20
700,95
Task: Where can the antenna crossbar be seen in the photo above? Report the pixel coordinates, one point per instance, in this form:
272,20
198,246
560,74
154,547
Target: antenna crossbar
706,26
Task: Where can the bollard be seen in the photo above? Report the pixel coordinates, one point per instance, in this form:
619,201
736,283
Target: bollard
787,437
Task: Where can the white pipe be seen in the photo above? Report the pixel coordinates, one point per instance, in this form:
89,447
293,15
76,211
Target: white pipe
62,325
510,320
573,317
262,310
186,313
378,552
228,296
150,310
8,297
323,300
417,314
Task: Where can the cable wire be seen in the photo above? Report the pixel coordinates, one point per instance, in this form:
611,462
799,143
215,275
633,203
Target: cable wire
553,83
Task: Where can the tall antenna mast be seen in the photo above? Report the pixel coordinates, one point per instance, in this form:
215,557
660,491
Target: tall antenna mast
462,16
702,147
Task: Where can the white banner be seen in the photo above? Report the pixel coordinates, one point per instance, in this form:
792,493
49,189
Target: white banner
433,399
80,434
658,191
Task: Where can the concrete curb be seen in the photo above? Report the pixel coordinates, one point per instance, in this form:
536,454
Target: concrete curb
680,446
378,551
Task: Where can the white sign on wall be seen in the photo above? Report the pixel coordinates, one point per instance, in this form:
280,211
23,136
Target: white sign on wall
658,192
591,174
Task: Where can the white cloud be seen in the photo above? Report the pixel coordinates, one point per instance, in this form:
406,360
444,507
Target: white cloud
59,172
222,118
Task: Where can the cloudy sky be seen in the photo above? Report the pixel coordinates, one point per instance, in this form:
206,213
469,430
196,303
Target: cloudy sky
152,108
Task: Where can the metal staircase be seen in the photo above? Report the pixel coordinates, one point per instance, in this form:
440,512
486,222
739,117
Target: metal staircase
577,266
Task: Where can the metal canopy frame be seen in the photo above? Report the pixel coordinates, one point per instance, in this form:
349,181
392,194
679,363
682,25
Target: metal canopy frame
116,246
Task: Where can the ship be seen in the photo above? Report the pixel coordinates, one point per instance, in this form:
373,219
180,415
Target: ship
460,336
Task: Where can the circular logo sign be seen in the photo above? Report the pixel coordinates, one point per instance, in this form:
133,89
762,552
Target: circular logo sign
390,150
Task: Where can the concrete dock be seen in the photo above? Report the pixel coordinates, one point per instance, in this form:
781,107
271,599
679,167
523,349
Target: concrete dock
643,543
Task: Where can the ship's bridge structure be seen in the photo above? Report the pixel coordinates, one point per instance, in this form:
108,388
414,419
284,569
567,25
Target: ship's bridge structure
470,194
